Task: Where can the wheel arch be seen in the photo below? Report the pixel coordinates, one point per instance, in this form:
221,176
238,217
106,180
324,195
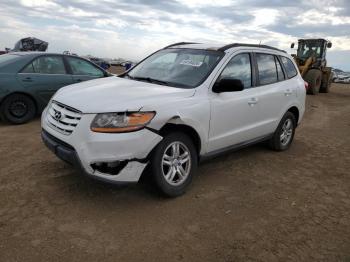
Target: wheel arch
295,111
175,125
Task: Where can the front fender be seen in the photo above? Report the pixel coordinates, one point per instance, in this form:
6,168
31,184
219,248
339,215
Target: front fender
191,112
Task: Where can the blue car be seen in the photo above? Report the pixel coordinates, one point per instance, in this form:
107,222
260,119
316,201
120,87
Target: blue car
29,79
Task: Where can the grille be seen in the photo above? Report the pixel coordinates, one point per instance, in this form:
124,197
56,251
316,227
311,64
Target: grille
63,118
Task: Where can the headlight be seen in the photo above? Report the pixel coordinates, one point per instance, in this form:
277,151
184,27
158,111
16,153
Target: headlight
121,122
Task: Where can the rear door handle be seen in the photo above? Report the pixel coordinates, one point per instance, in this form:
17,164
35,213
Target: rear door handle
252,101
288,92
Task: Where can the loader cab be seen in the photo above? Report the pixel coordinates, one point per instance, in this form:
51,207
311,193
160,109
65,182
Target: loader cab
312,48
315,47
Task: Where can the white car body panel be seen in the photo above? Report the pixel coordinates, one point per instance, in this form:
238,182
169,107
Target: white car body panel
233,120
114,94
220,120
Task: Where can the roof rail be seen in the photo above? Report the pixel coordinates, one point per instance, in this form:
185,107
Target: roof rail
180,43
224,48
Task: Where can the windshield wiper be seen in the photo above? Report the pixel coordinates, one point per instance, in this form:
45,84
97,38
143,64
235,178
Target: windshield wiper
151,80
126,74
157,81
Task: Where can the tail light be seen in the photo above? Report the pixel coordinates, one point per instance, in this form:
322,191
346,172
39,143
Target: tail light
306,84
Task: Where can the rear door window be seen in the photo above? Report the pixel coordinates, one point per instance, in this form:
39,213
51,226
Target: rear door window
266,69
46,65
289,66
82,67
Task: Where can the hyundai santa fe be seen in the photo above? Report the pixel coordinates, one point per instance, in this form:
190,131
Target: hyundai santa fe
184,103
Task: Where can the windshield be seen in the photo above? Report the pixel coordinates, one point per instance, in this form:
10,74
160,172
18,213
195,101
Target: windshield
7,57
308,49
184,68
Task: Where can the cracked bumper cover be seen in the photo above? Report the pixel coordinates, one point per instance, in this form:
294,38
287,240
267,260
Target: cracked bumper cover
83,152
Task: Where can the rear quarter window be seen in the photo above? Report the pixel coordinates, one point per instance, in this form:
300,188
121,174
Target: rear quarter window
289,66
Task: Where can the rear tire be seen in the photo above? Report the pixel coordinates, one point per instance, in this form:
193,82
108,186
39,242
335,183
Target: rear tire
17,109
284,134
314,79
174,164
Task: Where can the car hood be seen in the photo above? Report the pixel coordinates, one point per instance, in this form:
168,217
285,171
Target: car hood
115,94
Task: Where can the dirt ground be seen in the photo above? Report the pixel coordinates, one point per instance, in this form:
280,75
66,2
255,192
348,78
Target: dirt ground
251,205
117,70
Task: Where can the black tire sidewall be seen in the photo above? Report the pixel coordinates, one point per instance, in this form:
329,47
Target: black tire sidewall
8,117
312,76
327,87
275,141
156,158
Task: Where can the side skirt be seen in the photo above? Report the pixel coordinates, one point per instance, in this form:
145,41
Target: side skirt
233,148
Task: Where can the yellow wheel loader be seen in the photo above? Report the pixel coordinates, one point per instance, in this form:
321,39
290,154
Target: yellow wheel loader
312,64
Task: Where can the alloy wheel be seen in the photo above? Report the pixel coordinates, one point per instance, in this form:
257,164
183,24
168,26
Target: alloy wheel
287,132
176,163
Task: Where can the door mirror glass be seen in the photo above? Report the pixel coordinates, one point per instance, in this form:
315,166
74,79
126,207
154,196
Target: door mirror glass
329,45
228,85
292,45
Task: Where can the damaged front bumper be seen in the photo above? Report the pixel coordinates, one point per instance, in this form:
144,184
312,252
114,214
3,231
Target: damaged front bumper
129,173
112,158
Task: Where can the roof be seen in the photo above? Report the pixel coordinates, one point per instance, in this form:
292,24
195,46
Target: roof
34,53
24,53
37,53
219,47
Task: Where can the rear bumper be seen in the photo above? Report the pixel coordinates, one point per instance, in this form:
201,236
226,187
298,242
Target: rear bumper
68,154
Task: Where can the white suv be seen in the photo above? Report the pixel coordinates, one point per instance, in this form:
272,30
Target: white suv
184,103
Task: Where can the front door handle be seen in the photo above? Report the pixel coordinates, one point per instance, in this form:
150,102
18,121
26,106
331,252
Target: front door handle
252,101
27,79
288,92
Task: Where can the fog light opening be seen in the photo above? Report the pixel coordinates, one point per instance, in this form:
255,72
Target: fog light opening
110,168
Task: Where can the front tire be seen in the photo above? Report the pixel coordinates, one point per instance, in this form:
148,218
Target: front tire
284,134
326,83
173,164
17,109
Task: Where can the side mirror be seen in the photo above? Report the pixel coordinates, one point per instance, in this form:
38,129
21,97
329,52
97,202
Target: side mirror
228,85
292,45
329,44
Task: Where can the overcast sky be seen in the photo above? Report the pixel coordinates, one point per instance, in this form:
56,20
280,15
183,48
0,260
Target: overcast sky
133,28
